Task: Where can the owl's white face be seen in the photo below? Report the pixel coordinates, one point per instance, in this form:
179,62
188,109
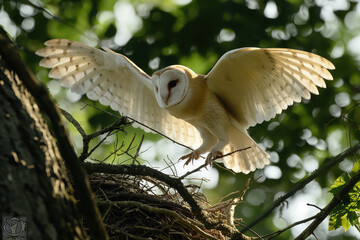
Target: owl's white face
170,86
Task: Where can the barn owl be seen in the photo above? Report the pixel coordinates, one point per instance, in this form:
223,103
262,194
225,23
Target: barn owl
245,87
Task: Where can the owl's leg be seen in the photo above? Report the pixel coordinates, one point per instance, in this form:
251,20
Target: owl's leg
223,139
209,141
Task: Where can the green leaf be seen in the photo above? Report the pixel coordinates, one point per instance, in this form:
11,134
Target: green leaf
334,222
345,222
346,213
338,184
356,166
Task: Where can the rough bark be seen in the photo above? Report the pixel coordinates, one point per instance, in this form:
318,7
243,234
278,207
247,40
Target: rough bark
33,178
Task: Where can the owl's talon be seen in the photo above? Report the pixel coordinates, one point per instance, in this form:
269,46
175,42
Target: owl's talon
190,157
211,156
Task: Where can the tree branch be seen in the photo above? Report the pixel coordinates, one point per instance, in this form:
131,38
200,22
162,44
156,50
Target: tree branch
302,184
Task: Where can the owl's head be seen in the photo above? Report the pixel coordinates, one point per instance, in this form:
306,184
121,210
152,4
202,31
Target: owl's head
171,85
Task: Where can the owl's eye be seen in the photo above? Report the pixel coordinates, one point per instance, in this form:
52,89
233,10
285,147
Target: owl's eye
172,83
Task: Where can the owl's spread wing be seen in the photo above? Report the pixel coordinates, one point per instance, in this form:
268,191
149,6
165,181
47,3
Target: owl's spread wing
256,84
115,81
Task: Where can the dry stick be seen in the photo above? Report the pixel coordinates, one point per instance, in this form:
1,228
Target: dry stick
328,164
332,204
138,150
87,204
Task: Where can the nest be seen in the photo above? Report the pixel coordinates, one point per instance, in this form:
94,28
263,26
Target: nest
143,207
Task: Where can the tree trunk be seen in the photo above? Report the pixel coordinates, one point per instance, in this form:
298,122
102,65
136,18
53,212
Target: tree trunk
34,185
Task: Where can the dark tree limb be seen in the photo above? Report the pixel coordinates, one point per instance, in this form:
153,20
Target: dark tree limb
34,183
47,106
327,164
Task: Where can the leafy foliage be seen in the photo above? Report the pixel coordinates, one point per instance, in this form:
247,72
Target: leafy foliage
347,213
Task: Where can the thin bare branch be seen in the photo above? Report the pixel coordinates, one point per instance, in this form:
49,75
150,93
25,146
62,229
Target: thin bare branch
277,233
312,205
138,150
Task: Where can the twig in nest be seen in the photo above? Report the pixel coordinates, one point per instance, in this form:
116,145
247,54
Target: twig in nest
170,165
228,206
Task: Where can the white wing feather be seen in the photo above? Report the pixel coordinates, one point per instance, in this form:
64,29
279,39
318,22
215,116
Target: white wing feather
115,81
256,84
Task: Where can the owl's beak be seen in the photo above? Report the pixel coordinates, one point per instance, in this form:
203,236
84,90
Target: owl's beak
165,99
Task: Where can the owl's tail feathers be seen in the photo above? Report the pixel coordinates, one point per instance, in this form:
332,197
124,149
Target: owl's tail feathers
247,160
